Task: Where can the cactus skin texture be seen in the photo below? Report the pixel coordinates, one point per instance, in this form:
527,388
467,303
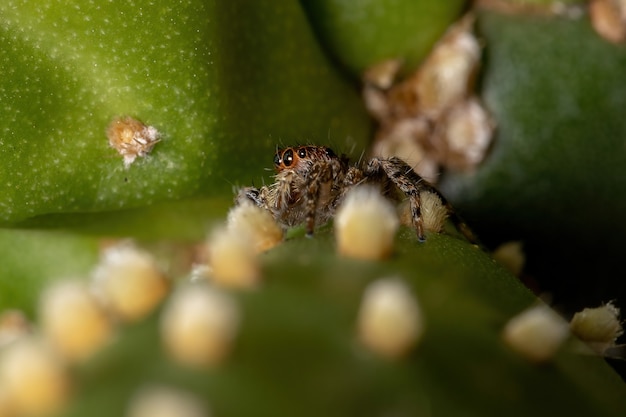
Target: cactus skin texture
193,71
555,176
297,350
224,83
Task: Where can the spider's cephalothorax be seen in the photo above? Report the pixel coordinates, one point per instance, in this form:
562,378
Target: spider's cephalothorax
311,182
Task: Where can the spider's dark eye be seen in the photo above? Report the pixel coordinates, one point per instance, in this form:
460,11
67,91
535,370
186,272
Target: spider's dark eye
277,159
302,153
288,157
330,153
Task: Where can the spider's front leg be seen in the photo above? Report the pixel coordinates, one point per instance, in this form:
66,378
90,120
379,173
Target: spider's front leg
407,180
311,194
318,187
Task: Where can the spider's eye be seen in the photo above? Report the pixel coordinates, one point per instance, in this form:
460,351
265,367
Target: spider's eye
277,159
330,153
302,153
288,157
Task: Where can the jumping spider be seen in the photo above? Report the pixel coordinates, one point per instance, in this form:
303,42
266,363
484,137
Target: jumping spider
311,182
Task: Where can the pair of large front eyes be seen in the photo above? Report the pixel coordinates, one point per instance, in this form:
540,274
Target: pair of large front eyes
286,158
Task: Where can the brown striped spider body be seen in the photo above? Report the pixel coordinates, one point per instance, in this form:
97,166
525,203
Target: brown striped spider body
312,181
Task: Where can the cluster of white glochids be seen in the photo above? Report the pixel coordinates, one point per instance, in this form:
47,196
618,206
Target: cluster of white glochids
201,320
77,318
433,117
538,332
608,18
131,138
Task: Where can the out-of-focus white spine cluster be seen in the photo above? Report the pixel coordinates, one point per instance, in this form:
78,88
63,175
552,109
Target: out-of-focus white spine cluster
33,380
511,256
161,401
75,321
432,118
72,320
232,250
131,138
599,327
434,213
233,259
366,224
608,18
256,224
199,324
13,324
128,282
390,321
536,333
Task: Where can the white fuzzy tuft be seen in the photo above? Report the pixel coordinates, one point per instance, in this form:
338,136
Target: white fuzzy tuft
33,380
199,324
366,224
608,18
536,333
446,75
599,327
390,321
128,282
233,259
434,213
131,138
511,256
13,325
467,131
72,320
256,224
159,401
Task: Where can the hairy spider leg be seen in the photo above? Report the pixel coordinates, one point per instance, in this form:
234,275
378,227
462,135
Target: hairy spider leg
325,173
412,184
407,180
282,189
